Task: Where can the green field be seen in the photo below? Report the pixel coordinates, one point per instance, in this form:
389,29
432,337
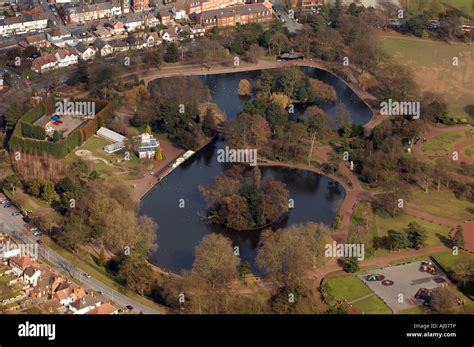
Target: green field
468,152
108,164
432,65
451,262
466,6
351,288
442,144
443,204
379,225
400,223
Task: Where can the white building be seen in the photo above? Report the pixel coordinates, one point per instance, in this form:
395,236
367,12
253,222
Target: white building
61,58
86,52
31,275
23,24
145,146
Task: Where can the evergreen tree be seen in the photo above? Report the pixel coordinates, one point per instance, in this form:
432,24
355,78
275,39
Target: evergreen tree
459,237
416,235
172,53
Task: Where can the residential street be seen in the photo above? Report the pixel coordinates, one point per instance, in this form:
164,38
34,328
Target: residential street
14,227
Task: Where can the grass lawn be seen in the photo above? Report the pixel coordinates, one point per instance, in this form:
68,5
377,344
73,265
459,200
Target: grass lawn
452,262
400,223
431,63
92,269
468,152
116,166
349,287
442,144
5,279
373,305
465,6
443,204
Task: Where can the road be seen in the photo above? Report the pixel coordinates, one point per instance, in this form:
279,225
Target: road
282,14
15,228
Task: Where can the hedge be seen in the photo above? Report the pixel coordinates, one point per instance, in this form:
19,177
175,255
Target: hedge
20,142
33,131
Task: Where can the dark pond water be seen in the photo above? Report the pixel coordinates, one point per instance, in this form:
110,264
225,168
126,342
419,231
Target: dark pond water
316,197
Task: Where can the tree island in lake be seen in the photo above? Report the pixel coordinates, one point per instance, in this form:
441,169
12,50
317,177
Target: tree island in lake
239,199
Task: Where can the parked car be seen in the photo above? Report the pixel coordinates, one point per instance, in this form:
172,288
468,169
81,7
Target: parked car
17,213
129,307
86,275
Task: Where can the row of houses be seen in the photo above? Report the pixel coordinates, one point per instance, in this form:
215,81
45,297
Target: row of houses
23,24
231,16
43,287
86,50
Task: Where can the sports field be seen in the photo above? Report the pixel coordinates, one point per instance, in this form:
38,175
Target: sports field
432,65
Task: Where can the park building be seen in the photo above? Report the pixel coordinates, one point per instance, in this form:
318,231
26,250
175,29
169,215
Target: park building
145,146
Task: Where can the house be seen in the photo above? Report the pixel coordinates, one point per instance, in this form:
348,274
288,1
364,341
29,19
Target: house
179,12
192,6
82,35
103,48
145,146
19,264
102,32
169,35
61,58
165,17
133,21
151,21
60,37
84,13
47,284
152,39
66,293
31,275
198,6
119,46
116,27
228,17
84,304
140,5
86,52
23,24
136,43
104,309
310,7
37,40
198,30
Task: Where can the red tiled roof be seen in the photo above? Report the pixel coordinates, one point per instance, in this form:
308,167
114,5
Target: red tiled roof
21,262
103,309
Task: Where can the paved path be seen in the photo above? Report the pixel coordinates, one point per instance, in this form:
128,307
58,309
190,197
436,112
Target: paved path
382,261
354,191
14,227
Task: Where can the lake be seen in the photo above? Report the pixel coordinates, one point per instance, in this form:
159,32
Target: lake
316,197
